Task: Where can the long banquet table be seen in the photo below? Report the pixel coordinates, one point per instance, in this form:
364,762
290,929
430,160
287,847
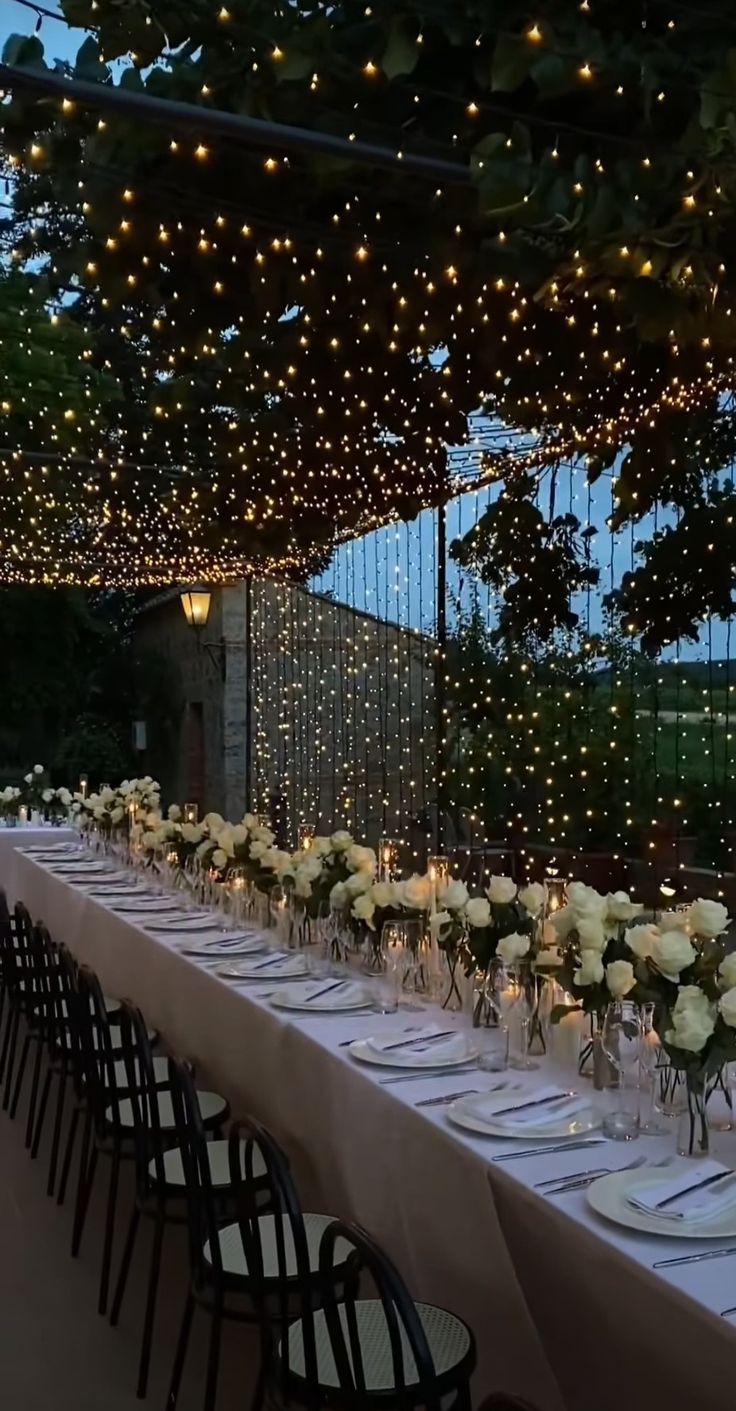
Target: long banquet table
566,1308
33,836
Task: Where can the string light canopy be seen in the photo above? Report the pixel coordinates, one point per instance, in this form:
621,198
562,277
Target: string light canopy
299,341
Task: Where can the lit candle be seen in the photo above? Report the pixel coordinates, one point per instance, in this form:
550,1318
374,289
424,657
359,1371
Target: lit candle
22,815
388,852
439,872
191,812
306,835
83,785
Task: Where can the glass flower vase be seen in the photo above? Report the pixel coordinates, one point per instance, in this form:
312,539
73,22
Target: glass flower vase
452,979
693,1137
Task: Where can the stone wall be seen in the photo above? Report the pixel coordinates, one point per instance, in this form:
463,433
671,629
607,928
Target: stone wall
342,709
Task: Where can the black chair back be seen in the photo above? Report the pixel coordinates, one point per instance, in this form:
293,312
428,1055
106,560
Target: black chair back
405,1335
96,1050
202,1204
141,1090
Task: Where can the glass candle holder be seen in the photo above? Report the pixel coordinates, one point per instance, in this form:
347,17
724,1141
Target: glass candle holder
190,812
388,858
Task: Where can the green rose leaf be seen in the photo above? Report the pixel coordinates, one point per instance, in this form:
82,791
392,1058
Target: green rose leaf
510,63
24,51
401,53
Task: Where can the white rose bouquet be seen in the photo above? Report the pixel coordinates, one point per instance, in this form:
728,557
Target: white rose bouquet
499,924
686,972
597,962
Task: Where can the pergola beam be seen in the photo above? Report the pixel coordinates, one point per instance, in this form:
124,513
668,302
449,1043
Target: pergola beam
269,137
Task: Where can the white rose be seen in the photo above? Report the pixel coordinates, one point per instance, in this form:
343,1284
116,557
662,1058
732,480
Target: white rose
478,911
672,953
501,890
533,897
321,846
591,934
311,867
191,832
586,901
257,850
590,970
225,841
620,977
641,939
219,857
708,918
341,840
439,922
727,1006
264,835
361,859
693,1020
214,821
240,834
416,892
453,894
564,921
674,920
338,896
174,812
383,894
250,821
727,970
47,795
28,778
512,948
38,769
302,883
205,848
621,908
276,860
363,909
117,814
357,883
64,797
149,840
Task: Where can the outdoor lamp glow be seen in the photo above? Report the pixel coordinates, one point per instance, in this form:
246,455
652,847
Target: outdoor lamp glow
196,604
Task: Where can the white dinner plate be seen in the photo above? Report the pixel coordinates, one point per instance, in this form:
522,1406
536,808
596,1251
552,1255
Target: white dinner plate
608,1197
218,949
293,968
331,1002
403,1058
475,1114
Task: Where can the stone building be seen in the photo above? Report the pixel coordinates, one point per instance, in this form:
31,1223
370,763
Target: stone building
329,711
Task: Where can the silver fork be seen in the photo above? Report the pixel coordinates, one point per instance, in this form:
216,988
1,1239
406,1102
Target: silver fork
583,1179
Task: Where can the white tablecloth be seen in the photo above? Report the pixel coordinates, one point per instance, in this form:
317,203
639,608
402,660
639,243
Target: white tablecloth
566,1308
13,838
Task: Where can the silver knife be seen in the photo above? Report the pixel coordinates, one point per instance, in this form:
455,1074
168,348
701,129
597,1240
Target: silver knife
427,1039
697,1186
694,1258
535,1102
449,1097
326,990
550,1150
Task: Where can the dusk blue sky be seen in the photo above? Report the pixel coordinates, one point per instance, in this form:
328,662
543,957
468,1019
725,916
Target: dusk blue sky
392,572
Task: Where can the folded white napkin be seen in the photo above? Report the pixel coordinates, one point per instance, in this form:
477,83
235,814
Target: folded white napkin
344,996
258,969
422,1049
544,1114
692,1205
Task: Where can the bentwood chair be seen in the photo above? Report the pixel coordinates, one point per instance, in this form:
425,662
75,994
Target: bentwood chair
160,1183
259,1269
364,1354
108,1127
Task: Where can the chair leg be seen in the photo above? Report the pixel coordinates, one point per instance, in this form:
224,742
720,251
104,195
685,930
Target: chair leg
213,1358
20,1077
56,1138
67,1164
112,1201
121,1284
6,1040
150,1313
42,1106
87,1168
35,1081
181,1352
